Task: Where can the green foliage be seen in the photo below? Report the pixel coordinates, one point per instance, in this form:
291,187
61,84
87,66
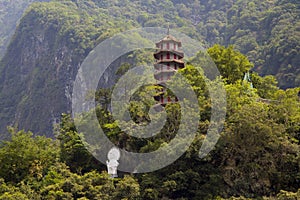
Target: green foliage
285,195
256,149
266,86
73,151
24,156
257,155
53,39
30,170
61,183
231,64
258,152
127,188
266,31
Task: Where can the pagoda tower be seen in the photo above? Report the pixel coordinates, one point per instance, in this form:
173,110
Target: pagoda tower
169,58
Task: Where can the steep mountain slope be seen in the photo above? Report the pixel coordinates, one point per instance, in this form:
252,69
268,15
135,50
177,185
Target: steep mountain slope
10,14
41,62
39,66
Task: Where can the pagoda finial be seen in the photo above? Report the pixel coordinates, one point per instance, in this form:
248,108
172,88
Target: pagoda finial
168,28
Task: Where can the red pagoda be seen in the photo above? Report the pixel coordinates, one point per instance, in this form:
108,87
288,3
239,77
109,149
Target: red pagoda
169,58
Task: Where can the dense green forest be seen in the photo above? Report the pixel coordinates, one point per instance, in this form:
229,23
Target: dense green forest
257,156
52,40
266,31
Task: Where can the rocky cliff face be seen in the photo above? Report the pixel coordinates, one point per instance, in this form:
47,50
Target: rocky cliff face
37,73
41,63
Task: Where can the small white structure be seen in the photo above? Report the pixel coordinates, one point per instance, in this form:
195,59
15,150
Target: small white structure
112,162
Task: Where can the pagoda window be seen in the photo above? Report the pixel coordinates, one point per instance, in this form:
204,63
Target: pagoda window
161,45
161,57
174,46
168,45
175,56
168,66
168,55
175,66
169,99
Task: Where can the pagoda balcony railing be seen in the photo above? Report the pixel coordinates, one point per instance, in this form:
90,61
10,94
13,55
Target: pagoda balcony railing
177,52
159,66
169,50
166,100
169,60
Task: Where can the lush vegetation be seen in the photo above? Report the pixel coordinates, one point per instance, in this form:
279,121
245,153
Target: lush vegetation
53,39
50,43
266,31
257,156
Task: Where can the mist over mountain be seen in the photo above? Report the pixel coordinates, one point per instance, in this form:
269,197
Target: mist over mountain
10,14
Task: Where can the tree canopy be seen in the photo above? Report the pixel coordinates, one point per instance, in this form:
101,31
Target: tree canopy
257,155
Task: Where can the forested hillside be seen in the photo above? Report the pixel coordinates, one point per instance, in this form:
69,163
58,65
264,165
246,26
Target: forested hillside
258,153
266,31
256,157
53,39
50,43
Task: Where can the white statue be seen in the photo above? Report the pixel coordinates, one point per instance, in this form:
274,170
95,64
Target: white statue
112,162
